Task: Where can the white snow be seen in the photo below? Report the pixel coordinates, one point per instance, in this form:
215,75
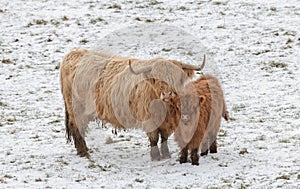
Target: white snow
252,46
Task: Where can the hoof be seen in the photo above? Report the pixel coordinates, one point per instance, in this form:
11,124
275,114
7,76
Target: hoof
214,151
83,154
165,152
195,163
204,153
168,156
157,158
182,159
155,155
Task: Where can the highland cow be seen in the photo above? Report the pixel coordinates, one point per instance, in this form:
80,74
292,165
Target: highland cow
99,85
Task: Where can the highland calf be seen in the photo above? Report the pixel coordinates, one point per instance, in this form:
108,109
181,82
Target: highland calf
200,106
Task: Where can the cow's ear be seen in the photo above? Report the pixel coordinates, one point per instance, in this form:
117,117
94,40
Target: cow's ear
202,99
147,75
190,73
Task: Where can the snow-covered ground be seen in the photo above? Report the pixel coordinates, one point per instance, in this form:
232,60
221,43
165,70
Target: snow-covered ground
255,46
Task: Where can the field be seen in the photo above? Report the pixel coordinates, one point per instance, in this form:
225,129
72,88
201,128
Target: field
253,47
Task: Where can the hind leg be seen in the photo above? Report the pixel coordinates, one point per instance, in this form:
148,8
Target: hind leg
67,125
73,132
164,145
204,147
213,141
154,152
213,147
79,140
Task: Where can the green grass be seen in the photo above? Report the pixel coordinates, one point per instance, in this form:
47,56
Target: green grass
2,104
96,20
238,107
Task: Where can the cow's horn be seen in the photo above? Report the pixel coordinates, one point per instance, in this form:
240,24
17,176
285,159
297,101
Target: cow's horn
139,71
193,67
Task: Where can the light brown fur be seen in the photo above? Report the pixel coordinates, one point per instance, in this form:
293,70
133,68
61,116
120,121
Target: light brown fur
201,106
98,85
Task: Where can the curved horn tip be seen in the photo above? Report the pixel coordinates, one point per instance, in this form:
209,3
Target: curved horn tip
203,62
130,68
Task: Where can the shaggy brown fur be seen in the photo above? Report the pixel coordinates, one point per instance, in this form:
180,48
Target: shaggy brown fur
99,85
201,106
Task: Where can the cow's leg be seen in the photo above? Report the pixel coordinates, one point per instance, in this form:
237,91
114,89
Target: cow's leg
183,155
73,132
67,124
204,147
195,156
164,145
154,152
213,141
79,141
213,147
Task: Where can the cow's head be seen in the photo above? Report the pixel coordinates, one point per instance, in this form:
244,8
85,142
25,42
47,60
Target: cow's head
172,75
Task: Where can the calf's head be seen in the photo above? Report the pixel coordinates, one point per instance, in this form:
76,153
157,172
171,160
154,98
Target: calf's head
190,104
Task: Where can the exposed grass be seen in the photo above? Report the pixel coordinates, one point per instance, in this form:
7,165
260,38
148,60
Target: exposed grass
64,18
150,20
261,138
238,107
63,162
272,65
243,151
155,2
6,61
138,19
37,22
284,141
219,2
54,121
115,6
183,8
222,133
167,49
261,52
96,20
94,165
223,165
54,22
3,104
11,119
290,33
273,9
84,41
284,177
139,180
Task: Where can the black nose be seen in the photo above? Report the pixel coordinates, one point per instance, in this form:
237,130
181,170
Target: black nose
185,117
